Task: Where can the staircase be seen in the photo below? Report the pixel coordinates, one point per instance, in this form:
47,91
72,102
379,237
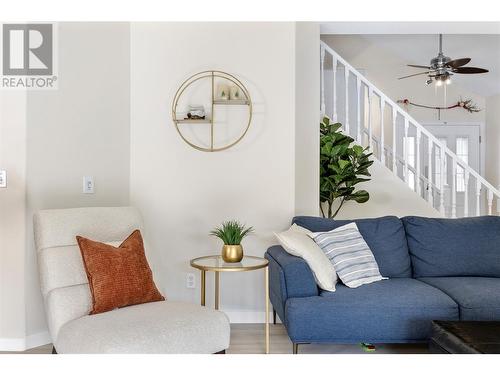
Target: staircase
400,143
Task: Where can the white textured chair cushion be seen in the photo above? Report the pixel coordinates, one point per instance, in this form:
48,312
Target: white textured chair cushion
157,327
296,241
54,228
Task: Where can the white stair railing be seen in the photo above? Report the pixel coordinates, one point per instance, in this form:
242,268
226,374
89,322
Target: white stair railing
431,169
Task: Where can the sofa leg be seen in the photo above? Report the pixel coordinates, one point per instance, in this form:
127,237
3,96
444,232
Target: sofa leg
54,350
221,352
274,316
295,348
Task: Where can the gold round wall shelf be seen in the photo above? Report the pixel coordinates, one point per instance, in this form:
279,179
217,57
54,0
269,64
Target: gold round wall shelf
214,78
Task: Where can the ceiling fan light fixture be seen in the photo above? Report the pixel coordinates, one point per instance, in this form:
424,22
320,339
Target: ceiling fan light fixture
442,67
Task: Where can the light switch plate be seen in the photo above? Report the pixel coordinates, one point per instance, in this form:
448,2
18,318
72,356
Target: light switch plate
3,178
88,185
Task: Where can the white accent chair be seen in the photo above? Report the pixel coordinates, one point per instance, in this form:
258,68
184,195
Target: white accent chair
157,327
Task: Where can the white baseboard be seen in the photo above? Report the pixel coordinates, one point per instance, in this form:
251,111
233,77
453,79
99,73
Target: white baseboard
12,345
24,343
38,339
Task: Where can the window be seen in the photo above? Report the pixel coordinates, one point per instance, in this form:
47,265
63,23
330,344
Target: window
462,147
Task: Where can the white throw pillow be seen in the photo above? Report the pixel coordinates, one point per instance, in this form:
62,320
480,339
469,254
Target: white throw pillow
296,241
349,254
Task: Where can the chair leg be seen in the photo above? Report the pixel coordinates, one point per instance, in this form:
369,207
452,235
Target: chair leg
295,348
54,350
274,316
221,352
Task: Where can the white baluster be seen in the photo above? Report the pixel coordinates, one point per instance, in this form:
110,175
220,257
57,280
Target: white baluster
429,173
358,113
478,197
466,193
370,130
335,119
405,149
490,201
382,143
417,168
454,188
442,161
323,106
346,76
394,159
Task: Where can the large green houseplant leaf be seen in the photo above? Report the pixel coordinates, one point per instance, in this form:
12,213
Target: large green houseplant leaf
342,166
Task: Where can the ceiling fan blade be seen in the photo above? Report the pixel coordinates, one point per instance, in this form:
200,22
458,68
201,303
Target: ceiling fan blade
458,62
416,74
469,70
419,66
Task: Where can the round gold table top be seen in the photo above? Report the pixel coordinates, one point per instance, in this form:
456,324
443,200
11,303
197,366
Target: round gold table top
216,263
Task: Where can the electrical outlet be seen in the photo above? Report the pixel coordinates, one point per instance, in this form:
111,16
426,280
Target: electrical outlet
88,185
3,178
190,281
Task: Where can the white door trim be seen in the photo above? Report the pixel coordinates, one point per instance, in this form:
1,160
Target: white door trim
482,140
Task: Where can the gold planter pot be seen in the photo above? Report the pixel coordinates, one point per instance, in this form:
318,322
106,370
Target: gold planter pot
232,253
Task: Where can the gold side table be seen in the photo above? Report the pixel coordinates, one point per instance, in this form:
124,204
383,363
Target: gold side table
216,264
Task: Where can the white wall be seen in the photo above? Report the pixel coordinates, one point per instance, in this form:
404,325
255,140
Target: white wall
81,129
307,117
493,140
389,195
12,218
183,193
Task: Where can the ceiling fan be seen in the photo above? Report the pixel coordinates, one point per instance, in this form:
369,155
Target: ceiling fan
441,67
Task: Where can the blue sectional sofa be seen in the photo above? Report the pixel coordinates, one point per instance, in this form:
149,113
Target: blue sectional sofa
438,269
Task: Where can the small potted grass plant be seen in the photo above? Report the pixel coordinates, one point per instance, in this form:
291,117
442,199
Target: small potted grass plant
231,233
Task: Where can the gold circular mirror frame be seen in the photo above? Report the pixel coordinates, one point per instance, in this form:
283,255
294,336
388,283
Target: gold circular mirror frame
212,75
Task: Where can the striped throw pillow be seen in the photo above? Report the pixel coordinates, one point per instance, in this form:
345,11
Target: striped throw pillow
350,255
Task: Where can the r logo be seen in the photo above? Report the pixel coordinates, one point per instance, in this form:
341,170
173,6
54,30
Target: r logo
27,49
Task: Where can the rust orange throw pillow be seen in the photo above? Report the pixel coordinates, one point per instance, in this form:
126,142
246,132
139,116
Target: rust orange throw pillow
118,276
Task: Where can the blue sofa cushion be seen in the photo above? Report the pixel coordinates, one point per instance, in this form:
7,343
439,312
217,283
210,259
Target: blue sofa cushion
385,236
394,310
454,247
478,298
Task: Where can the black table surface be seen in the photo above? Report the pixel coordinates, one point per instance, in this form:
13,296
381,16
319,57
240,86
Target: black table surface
466,336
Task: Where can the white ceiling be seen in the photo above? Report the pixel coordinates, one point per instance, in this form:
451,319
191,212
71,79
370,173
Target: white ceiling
410,28
484,50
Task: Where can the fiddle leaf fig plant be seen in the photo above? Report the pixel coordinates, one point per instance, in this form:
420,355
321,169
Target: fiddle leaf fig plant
343,165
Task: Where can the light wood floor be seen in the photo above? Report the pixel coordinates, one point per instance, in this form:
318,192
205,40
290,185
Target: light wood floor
249,339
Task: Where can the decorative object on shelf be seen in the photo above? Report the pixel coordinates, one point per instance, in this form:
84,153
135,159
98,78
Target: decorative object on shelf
223,91
219,83
342,166
234,93
232,233
196,113
467,104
